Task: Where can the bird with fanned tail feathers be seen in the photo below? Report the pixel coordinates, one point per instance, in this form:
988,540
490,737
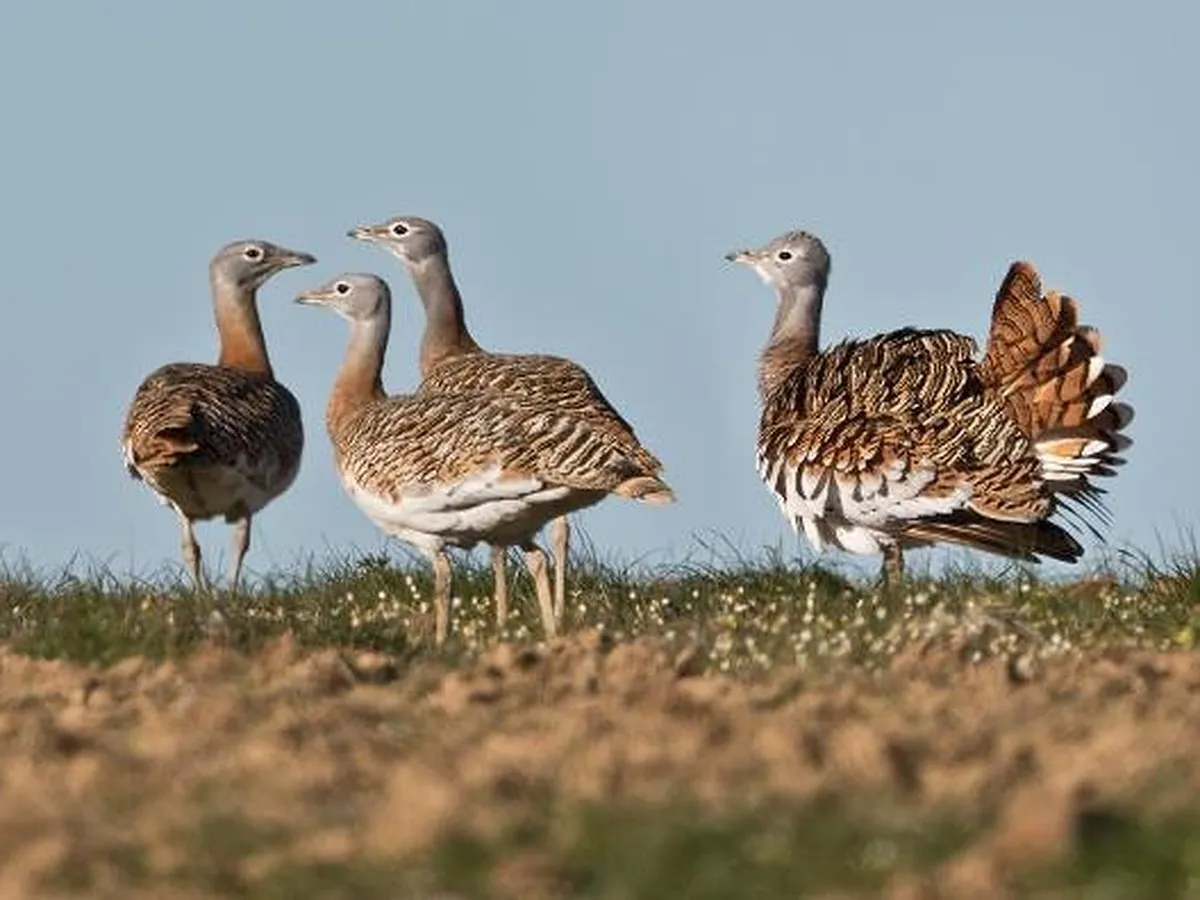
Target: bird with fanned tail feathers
455,469
451,361
908,439
225,439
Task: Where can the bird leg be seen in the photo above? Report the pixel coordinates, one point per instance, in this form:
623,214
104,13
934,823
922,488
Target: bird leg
892,572
441,596
191,553
560,534
500,582
535,561
241,543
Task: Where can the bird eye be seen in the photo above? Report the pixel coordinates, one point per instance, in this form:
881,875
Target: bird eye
342,287
254,254
399,229
783,255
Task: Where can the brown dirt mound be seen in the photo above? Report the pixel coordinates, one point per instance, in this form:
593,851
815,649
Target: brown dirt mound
130,768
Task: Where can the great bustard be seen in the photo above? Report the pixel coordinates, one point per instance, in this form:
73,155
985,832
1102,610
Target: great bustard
455,469
220,440
906,439
451,361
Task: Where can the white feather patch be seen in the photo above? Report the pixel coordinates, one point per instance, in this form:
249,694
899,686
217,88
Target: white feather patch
856,511
481,507
856,539
812,531
1099,405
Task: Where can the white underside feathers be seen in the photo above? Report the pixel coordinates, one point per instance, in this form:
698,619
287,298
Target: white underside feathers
856,511
214,490
482,507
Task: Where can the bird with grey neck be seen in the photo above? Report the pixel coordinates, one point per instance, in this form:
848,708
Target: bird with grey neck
453,469
452,361
220,440
907,439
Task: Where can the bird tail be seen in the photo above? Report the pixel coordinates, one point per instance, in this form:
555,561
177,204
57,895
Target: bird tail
646,488
1017,540
160,438
1047,371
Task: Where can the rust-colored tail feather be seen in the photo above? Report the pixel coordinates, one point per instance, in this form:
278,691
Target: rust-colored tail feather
1048,372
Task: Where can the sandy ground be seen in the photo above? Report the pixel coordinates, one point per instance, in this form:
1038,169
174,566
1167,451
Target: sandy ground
104,772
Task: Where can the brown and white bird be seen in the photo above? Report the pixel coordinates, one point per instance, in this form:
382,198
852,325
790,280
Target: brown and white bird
907,439
454,469
451,361
225,439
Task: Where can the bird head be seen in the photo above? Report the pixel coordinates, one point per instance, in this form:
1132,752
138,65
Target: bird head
795,259
247,264
355,296
410,238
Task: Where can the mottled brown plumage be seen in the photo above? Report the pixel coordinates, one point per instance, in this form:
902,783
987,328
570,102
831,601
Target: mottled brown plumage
220,440
190,421
452,361
456,469
906,438
394,446
539,382
899,401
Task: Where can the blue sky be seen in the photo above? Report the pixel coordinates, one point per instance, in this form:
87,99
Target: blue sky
591,164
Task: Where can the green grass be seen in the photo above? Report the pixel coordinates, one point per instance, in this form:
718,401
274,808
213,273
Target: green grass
1126,856
740,616
674,850
666,852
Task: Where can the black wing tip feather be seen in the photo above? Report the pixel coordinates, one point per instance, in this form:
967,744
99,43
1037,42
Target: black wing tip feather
1026,541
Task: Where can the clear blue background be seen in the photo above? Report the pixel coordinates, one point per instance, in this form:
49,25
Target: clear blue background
591,164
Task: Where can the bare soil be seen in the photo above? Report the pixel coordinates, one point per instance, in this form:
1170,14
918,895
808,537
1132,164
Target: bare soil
211,772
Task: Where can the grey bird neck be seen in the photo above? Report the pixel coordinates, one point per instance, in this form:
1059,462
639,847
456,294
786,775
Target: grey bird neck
238,327
795,336
359,380
446,333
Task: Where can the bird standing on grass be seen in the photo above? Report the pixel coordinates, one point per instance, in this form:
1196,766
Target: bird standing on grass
442,470
225,439
906,439
451,361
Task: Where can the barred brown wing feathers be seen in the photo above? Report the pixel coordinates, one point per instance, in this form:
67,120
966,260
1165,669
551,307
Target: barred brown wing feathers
390,447
536,381
861,400
903,407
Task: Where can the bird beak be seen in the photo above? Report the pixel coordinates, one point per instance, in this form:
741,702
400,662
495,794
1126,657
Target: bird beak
314,297
368,233
296,258
745,257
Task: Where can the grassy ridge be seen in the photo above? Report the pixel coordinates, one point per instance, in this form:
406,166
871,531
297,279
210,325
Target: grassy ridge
742,615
